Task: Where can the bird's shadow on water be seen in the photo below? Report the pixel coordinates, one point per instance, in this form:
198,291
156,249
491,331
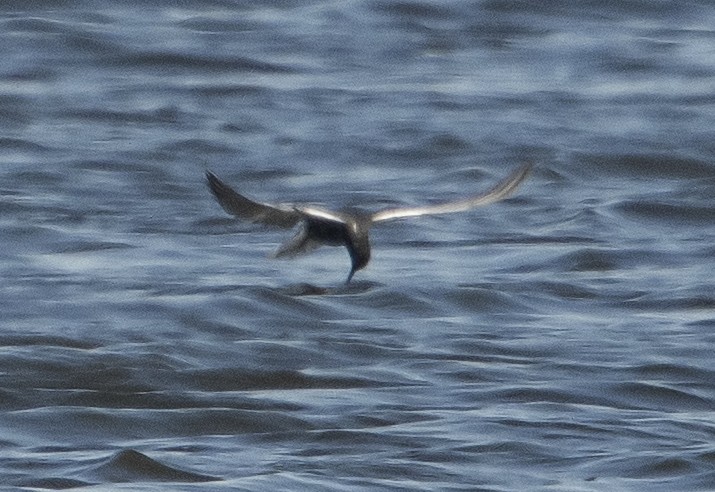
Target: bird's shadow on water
306,289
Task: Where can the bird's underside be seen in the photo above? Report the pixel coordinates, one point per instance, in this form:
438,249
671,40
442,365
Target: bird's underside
318,227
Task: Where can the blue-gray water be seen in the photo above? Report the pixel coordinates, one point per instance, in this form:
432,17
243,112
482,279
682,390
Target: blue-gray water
560,340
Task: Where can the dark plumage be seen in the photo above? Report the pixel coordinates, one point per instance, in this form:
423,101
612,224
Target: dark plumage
346,228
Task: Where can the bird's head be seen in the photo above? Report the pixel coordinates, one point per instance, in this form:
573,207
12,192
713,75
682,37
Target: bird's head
358,244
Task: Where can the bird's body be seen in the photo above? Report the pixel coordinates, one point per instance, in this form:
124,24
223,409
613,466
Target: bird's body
351,229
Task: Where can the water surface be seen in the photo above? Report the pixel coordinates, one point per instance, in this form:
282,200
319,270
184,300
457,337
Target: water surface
560,340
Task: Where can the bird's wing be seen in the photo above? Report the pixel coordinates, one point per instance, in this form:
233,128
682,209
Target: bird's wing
299,244
304,241
277,215
319,214
501,190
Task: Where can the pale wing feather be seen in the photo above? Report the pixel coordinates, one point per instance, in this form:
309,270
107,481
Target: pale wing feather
299,244
500,191
319,214
246,209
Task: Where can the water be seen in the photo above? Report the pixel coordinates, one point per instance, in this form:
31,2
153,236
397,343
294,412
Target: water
561,340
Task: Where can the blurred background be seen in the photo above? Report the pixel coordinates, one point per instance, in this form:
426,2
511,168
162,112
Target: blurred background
559,340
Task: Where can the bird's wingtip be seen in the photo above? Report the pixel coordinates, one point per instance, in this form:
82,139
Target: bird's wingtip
527,166
213,182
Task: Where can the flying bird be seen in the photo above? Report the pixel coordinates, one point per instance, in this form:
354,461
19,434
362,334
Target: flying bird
349,228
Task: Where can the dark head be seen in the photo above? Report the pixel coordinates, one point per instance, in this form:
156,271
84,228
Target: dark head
358,244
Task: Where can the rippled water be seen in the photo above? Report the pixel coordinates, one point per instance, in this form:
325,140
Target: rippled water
560,340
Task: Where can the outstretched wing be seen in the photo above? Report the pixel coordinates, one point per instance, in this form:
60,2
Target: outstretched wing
243,208
501,190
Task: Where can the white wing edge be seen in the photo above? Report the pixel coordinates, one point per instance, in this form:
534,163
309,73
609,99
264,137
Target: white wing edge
319,213
500,191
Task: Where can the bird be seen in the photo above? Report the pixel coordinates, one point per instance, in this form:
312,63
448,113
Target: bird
348,227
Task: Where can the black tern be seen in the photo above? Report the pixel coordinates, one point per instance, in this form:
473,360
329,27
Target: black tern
349,228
